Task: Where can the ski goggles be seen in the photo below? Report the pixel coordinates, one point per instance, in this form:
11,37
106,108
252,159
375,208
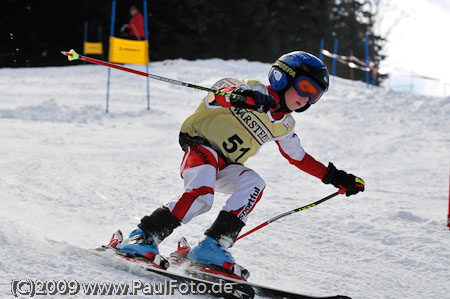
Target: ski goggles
308,88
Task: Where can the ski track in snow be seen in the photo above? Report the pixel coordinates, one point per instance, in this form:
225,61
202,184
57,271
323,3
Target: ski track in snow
70,174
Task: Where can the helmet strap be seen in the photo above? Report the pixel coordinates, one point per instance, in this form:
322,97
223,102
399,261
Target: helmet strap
304,108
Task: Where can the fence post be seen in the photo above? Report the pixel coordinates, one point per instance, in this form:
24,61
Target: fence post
367,61
352,77
321,48
333,72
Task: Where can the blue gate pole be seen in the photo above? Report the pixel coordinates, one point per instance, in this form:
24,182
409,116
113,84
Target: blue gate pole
367,61
334,58
321,48
146,38
100,37
85,37
113,14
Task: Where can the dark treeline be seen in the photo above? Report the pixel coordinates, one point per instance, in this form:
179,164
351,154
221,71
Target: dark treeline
34,31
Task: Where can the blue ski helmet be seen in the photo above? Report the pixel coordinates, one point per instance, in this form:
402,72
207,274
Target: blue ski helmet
295,64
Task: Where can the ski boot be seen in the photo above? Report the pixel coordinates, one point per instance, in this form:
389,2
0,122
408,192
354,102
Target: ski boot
143,241
138,244
208,252
138,247
212,250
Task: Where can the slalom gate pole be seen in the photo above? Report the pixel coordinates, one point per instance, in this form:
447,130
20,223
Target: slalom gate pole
111,33
85,38
289,213
146,38
448,216
72,55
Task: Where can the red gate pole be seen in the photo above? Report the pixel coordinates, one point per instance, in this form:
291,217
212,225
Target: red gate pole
448,215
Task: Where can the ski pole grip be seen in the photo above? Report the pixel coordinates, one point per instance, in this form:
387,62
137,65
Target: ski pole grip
238,97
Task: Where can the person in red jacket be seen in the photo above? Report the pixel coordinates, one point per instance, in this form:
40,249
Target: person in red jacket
136,26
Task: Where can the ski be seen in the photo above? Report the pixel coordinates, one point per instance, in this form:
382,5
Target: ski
201,279
217,287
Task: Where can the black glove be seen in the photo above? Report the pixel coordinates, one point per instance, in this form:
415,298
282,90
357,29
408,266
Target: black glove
263,102
346,182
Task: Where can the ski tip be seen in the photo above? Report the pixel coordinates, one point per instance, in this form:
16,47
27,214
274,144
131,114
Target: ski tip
116,238
183,247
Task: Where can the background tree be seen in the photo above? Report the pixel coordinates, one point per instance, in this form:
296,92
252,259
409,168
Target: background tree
33,32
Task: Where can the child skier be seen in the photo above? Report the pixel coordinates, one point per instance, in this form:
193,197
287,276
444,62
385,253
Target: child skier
219,137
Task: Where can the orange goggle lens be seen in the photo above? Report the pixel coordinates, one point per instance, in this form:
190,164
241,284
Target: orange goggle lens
308,88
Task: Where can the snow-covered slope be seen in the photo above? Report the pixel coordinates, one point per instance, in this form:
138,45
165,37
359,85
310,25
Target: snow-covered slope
71,174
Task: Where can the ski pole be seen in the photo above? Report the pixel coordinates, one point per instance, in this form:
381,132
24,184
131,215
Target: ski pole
72,55
289,213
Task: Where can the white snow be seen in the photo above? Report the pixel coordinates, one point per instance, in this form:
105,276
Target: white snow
70,175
